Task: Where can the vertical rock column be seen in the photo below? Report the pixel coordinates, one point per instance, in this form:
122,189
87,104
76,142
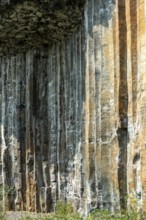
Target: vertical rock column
133,153
139,161
135,23
101,120
30,134
12,130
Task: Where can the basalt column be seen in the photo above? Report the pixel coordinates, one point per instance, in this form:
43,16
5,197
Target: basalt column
101,100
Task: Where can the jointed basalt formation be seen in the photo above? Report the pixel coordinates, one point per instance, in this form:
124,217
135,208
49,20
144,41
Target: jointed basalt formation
73,99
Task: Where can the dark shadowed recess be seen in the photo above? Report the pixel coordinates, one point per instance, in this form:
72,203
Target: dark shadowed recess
123,135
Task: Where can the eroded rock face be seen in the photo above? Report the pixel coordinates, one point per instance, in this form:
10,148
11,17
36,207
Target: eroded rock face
73,113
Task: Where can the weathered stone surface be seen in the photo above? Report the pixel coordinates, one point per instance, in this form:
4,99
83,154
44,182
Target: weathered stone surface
73,113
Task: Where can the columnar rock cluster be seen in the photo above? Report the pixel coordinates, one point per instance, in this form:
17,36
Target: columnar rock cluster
72,97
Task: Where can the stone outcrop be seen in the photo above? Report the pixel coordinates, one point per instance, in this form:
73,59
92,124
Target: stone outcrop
73,111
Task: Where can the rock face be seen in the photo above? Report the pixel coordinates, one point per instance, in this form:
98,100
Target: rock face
72,113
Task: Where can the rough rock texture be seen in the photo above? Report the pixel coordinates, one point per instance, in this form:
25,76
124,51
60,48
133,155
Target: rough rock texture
73,114
25,24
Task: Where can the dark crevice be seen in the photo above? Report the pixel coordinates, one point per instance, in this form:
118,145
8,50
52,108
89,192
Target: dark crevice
123,105
22,130
62,147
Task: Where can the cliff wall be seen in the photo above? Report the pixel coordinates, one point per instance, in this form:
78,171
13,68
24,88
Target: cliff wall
73,109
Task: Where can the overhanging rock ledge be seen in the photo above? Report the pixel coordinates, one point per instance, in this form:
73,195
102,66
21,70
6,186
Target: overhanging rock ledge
26,24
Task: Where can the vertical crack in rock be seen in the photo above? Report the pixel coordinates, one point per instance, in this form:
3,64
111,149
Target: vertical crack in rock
62,149
123,104
20,106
